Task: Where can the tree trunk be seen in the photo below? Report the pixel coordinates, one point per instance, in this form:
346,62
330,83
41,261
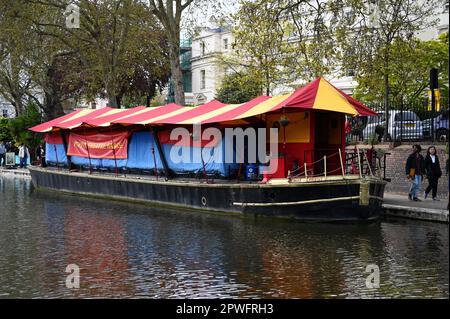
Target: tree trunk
17,103
112,100
175,68
53,107
52,104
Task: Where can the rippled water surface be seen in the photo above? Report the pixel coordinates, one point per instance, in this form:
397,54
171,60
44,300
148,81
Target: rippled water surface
126,250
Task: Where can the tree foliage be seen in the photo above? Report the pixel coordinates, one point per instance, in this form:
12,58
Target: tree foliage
5,134
18,127
409,78
118,50
238,88
370,32
281,42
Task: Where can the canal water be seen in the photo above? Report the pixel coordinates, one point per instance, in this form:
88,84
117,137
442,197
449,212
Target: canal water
126,250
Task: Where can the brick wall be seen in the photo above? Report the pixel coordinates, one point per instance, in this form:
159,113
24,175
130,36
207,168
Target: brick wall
395,169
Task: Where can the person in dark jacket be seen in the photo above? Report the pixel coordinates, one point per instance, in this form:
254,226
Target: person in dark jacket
415,169
433,171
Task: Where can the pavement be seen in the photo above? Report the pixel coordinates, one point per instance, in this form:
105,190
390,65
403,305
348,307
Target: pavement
402,200
400,206
15,171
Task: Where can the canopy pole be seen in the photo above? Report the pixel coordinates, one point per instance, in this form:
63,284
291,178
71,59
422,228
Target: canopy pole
87,148
114,151
56,155
359,163
284,145
203,163
69,162
160,151
154,156
342,164
368,163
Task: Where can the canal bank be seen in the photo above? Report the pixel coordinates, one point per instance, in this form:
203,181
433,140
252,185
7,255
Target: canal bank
400,206
395,204
18,172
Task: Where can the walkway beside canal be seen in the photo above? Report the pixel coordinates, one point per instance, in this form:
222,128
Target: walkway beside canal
394,204
23,172
400,206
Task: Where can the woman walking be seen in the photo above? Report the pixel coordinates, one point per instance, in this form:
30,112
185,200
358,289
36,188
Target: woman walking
433,171
415,169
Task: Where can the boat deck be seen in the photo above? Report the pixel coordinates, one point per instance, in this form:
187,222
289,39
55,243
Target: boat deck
210,180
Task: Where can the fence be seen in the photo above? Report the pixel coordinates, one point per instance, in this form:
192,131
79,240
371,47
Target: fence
410,122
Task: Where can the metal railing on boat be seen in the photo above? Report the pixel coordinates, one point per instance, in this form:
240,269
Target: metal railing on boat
361,165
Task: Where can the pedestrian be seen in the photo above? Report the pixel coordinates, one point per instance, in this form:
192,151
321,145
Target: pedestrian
2,154
446,172
433,171
415,168
24,155
40,155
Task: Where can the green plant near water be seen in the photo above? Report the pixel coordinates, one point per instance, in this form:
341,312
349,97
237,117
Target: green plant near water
18,127
5,134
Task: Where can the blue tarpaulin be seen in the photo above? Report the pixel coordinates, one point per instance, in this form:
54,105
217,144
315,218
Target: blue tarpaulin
140,156
55,154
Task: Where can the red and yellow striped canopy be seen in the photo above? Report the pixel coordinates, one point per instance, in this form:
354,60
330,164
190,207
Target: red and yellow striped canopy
318,95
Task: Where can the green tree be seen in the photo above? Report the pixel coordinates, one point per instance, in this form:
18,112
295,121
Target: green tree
370,32
409,79
238,88
119,43
14,81
5,134
18,127
118,50
282,42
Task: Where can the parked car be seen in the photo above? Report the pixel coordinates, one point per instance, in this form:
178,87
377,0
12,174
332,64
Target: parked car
440,127
404,125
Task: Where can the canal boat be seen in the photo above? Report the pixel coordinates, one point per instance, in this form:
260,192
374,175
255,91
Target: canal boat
133,155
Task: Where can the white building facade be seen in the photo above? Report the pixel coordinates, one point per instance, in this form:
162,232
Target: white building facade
6,109
207,72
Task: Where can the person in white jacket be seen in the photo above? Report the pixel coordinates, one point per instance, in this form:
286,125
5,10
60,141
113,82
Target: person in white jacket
24,155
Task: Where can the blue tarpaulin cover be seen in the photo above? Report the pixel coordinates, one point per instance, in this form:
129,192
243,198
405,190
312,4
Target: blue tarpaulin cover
140,156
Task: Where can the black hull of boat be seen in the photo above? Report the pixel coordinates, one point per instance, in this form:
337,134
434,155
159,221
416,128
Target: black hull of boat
337,200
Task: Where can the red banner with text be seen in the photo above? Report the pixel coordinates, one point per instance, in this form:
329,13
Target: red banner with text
99,145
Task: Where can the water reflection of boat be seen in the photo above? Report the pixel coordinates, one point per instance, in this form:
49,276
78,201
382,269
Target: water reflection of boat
96,243
307,180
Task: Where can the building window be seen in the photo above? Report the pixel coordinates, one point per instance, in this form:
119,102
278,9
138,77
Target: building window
202,48
225,44
5,113
202,79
